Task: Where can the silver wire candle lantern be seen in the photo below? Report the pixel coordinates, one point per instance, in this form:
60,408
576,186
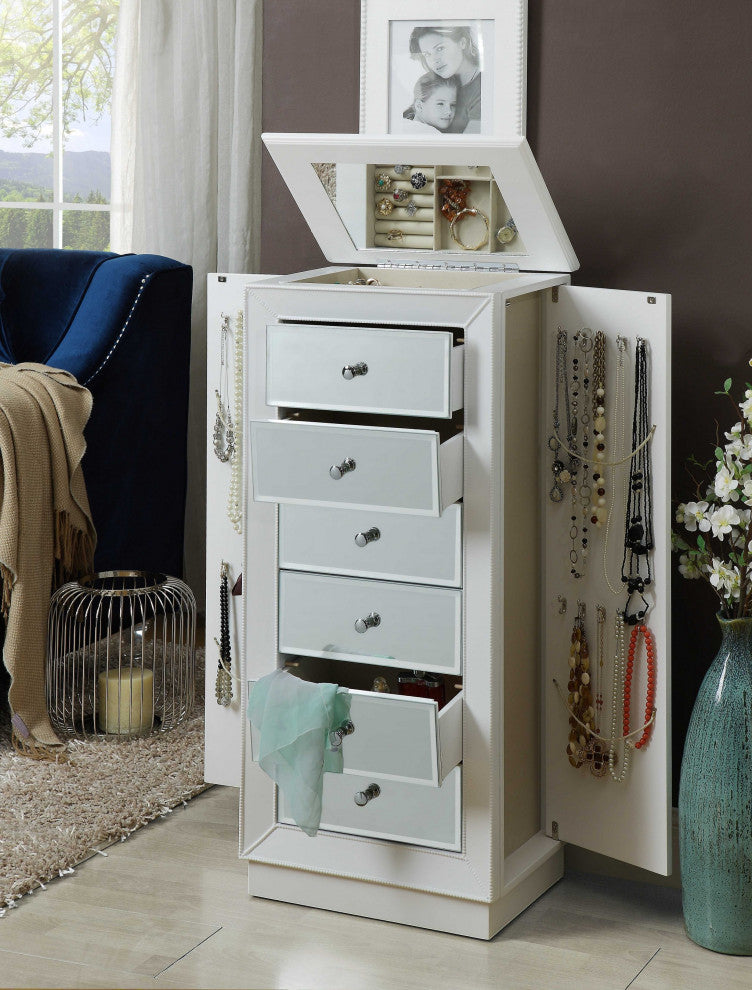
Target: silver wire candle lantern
121,654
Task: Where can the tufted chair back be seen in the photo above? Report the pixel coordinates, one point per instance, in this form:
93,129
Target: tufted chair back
121,325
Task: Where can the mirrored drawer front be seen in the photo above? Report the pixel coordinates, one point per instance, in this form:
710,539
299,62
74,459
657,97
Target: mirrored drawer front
379,622
373,544
400,372
398,738
425,816
367,467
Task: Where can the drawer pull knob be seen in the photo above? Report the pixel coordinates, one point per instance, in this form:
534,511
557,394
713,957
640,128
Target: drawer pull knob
351,371
363,539
337,735
336,471
363,797
363,625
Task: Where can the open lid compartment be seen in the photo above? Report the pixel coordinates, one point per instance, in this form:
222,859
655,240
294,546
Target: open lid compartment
341,183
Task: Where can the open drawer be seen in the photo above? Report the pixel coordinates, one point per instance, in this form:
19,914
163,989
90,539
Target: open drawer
366,467
398,738
363,369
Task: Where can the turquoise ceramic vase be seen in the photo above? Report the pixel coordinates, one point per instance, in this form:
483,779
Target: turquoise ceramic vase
715,800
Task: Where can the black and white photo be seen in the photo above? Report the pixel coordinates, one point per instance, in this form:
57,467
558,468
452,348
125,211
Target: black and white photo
440,77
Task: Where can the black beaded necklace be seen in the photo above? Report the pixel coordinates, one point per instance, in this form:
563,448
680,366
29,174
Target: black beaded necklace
636,570
223,688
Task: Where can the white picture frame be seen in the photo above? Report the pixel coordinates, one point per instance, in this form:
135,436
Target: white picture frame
467,76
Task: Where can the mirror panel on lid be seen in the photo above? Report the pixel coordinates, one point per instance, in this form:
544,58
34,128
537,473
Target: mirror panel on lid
424,207
454,202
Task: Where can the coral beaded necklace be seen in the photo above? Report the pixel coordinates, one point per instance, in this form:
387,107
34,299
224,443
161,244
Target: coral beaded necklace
650,691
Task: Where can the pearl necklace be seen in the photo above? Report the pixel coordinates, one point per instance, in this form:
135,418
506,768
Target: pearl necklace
234,500
620,663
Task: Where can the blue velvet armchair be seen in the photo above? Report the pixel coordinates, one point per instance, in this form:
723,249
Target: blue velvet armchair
121,325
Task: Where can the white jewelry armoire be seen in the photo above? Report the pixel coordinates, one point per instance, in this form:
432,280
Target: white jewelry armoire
398,518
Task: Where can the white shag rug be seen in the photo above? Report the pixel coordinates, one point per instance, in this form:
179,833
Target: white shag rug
53,816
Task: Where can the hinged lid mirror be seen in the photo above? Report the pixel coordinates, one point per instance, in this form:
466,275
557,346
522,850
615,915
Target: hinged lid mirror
371,200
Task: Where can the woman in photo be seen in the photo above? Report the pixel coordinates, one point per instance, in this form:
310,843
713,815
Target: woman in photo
448,52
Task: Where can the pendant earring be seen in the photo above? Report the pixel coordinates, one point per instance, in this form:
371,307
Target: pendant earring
224,432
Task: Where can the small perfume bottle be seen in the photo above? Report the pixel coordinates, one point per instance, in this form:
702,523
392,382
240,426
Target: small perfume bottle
435,690
414,687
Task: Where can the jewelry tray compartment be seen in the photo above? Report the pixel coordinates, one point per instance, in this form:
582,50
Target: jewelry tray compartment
428,207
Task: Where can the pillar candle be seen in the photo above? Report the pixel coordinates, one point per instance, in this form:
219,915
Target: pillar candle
125,700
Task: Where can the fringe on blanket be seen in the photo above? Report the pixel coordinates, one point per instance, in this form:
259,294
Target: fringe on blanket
73,559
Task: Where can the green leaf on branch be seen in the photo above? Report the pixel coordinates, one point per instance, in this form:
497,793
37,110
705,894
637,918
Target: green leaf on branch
701,542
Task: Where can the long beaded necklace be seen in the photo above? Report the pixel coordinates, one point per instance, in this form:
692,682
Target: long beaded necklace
636,570
620,443
574,467
600,661
598,501
234,500
580,693
584,341
224,432
223,686
584,746
561,387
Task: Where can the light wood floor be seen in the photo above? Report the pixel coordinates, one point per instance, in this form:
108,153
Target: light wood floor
168,908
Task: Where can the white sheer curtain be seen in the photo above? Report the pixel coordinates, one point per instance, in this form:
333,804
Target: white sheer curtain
186,168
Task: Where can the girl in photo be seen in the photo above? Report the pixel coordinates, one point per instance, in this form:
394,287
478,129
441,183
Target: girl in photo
434,105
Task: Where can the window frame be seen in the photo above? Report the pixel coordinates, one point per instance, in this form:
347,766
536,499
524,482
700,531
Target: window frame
58,206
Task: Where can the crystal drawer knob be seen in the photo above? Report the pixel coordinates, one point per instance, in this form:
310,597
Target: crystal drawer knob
363,625
351,371
337,735
363,797
363,539
337,471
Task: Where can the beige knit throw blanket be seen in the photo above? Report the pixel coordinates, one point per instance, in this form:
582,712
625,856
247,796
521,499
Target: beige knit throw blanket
46,533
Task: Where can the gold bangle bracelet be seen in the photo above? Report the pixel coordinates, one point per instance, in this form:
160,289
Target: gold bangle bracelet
472,212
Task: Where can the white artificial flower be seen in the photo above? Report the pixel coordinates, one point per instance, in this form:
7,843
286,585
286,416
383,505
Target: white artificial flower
734,445
717,573
695,516
740,447
725,579
747,488
746,406
733,582
680,510
725,484
723,519
688,568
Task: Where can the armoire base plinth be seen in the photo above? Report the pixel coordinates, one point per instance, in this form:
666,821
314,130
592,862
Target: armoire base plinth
457,916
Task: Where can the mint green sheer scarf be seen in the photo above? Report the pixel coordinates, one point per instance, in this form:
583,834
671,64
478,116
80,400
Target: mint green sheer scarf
294,719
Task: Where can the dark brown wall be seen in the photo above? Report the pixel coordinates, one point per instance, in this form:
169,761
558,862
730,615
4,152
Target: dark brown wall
639,115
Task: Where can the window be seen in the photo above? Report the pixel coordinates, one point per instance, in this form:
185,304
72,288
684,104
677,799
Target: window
56,70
